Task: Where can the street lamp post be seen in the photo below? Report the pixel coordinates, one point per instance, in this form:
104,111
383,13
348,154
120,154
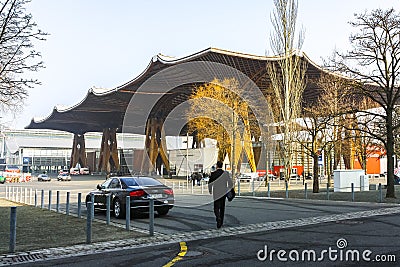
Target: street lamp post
187,159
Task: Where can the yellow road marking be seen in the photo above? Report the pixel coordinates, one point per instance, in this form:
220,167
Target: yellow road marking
180,256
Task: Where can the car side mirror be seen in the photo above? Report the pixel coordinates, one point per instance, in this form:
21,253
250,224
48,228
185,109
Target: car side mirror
99,187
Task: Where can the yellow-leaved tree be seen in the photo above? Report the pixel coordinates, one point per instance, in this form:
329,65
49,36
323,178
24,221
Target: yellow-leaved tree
217,112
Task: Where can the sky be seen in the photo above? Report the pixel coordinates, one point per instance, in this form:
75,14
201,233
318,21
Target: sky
101,43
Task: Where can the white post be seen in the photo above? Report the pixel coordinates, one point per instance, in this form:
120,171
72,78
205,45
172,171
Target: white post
30,196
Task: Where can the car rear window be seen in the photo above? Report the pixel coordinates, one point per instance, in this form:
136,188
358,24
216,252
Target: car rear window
129,181
147,181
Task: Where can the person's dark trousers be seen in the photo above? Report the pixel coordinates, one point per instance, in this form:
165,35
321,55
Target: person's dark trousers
219,211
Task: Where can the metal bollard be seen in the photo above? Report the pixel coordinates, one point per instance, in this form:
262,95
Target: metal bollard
89,223
108,204
35,197
58,202
269,189
49,200
380,193
327,191
42,200
286,189
151,217
238,187
13,229
67,204
305,191
352,192
92,209
79,205
128,213
252,187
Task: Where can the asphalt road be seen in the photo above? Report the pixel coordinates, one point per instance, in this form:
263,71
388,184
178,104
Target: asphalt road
380,235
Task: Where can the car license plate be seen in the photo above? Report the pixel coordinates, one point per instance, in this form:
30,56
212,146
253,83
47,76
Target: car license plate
157,195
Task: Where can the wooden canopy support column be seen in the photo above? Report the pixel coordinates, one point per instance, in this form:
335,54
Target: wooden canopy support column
109,151
156,147
78,154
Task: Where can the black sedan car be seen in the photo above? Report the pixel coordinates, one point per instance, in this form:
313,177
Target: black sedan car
140,190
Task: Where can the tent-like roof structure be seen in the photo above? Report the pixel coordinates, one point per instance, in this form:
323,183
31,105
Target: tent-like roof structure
106,108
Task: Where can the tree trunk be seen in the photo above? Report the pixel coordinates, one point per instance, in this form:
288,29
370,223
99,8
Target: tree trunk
315,173
390,193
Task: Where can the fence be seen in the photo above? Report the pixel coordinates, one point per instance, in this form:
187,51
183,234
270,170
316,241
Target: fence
279,188
46,199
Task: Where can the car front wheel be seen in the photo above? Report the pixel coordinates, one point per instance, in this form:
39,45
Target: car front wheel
119,211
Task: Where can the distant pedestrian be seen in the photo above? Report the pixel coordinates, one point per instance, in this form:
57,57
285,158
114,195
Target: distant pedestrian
219,184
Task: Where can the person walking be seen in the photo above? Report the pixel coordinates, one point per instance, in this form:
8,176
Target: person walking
218,185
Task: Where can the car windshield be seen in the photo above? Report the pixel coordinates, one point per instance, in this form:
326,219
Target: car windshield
106,183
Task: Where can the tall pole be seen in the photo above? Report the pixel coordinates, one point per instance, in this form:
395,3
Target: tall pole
187,158
233,145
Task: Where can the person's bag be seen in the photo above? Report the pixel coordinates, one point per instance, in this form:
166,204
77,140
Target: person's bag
231,194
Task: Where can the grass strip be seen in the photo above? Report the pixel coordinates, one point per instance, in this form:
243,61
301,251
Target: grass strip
40,228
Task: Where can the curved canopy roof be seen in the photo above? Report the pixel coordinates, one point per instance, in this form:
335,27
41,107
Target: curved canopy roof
106,108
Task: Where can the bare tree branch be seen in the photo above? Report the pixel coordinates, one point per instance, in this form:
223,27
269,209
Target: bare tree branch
17,55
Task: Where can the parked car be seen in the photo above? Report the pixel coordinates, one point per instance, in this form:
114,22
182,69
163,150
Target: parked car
43,178
65,171
140,189
396,180
12,168
64,177
74,171
244,178
84,171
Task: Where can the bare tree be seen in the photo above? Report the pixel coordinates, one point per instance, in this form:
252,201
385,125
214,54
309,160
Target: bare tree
287,76
374,61
17,55
365,145
312,137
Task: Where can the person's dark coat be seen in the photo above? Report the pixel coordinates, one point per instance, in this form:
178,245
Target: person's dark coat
219,184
